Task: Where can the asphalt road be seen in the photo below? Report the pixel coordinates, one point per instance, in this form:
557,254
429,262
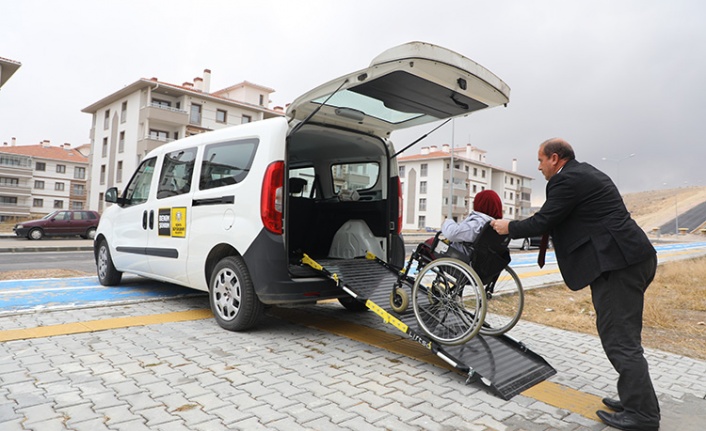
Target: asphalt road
72,260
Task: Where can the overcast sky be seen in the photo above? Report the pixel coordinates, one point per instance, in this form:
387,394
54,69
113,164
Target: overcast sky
612,77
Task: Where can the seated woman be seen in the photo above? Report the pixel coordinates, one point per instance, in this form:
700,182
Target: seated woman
486,207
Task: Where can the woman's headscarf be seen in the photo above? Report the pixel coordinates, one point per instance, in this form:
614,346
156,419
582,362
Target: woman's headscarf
488,202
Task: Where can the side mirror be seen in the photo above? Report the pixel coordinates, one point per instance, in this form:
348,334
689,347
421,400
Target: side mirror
111,196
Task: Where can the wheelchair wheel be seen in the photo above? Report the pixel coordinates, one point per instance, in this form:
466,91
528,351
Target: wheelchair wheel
399,300
448,301
505,300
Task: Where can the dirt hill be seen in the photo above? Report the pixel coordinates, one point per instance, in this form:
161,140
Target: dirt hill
652,209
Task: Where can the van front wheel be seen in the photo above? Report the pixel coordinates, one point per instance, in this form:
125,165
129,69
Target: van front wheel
234,303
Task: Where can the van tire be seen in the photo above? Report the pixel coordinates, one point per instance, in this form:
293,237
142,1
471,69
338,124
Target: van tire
232,296
107,274
352,304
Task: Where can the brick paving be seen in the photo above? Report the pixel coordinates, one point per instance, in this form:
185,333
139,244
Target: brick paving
281,376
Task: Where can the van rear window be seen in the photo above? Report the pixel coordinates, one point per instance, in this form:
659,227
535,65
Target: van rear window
227,163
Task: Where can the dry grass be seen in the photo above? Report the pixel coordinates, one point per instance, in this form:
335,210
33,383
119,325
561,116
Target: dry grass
674,316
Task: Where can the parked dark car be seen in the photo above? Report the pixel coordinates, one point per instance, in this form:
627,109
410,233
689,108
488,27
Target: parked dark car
60,223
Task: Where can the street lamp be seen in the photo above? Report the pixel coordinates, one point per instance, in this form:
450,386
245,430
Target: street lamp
617,161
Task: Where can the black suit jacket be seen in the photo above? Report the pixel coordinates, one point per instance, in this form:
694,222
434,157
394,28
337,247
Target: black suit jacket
591,229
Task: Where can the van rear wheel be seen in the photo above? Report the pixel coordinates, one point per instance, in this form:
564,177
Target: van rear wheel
234,303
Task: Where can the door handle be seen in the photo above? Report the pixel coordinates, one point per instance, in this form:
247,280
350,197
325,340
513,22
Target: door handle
144,219
151,219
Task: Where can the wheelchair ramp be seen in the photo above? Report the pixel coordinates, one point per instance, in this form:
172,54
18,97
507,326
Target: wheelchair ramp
505,365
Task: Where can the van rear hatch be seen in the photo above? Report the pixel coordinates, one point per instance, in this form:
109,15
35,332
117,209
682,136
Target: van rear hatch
409,85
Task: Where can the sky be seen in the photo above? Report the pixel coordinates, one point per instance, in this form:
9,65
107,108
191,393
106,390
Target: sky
623,81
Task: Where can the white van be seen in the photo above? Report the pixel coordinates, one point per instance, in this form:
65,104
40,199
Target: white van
231,211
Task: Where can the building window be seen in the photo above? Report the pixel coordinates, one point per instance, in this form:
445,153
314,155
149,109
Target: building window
221,116
123,112
106,119
59,187
102,177
482,173
423,187
262,100
78,190
76,205
475,172
423,170
401,170
10,182
104,148
246,119
195,117
40,166
58,204
60,169
79,173
38,184
119,172
100,201
161,103
475,188
159,135
8,200
423,204
512,181
422,223
121,142
37,203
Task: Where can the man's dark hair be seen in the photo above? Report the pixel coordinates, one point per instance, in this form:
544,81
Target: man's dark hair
560,147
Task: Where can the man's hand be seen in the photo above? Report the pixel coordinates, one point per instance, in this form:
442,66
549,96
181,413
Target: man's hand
501,226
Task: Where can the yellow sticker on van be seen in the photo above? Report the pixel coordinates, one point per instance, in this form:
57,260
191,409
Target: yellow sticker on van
179,222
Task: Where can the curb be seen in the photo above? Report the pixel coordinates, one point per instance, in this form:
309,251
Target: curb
49,248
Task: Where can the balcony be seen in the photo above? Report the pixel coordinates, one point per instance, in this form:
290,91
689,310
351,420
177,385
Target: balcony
150,142
164,114
15,190
14,210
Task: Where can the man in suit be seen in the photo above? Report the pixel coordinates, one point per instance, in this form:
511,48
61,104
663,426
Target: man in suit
597,243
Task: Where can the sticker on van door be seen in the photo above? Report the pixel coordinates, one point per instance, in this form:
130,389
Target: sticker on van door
172,222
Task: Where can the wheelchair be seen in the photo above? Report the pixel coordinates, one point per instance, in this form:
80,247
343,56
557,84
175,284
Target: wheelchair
456,295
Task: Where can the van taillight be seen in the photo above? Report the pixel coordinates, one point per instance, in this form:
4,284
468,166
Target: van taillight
271,199
399,205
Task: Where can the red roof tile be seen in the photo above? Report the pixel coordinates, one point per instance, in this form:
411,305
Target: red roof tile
52,153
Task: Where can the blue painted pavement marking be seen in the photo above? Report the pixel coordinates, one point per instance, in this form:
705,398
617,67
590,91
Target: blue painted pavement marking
55,293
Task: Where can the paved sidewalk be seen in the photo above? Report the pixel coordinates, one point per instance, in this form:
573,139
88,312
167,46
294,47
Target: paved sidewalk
195,376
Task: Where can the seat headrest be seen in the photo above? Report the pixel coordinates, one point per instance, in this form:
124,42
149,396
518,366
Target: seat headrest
296,184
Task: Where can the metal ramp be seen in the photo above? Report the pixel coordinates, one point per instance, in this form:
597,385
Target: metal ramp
503,364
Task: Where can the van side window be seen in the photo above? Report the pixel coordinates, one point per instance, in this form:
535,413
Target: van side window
138,189
175,176
227,163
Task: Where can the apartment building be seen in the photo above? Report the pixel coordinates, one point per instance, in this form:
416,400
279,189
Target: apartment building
431,186
38,179
148,113
7,69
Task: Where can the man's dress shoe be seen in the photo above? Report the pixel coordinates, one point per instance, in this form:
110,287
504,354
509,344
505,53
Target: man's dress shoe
626,421
612,404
